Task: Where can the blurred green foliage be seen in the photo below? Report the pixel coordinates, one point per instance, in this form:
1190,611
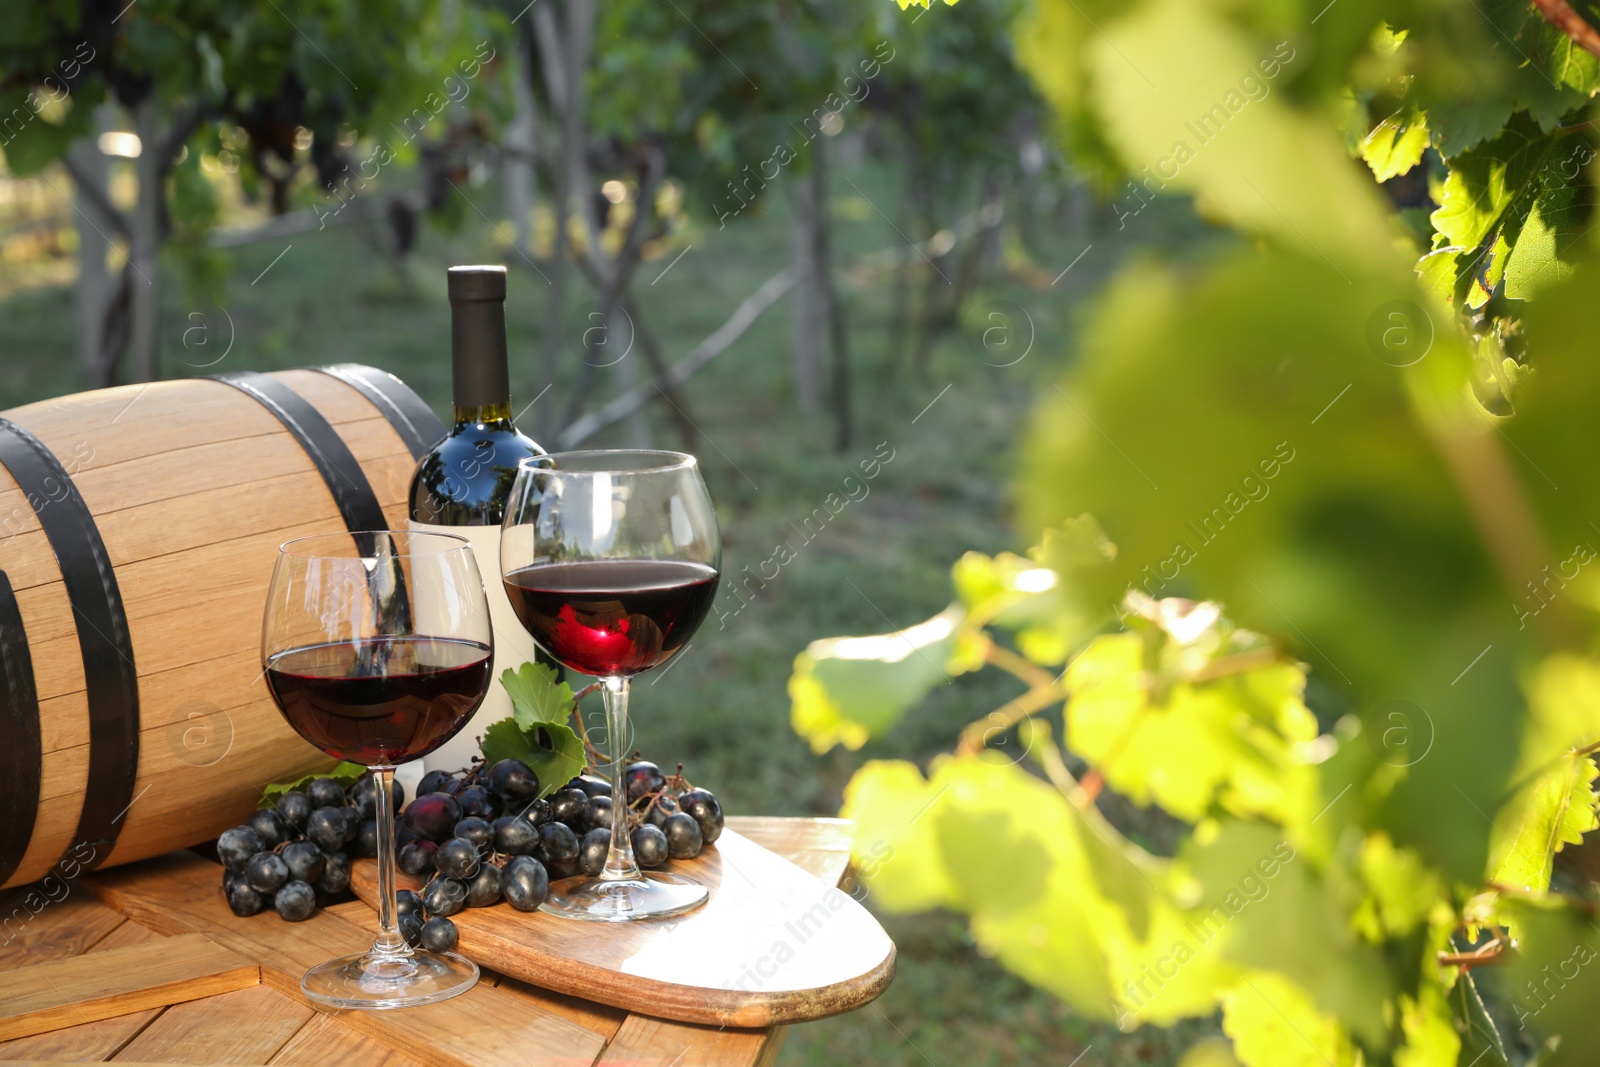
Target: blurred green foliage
1354,433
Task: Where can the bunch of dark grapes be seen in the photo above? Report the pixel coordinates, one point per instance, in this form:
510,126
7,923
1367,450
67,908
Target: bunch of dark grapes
297,853
484,835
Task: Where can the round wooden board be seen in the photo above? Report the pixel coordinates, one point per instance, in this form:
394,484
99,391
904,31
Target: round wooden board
772,945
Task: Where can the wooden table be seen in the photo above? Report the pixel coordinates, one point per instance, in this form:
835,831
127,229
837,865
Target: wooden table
145,964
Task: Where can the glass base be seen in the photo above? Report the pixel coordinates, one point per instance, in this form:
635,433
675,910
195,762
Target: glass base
374,982
652,896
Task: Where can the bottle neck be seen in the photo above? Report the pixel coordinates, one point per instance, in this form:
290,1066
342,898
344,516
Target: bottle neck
480,376
490,416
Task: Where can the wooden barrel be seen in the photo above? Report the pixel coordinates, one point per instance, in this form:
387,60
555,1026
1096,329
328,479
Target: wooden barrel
138,529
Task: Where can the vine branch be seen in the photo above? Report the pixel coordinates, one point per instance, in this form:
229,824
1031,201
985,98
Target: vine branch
1560,14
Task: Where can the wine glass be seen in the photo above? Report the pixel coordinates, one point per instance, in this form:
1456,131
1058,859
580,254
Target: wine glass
611,560
377,649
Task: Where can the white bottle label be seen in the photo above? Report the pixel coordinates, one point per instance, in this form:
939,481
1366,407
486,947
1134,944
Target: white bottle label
512,646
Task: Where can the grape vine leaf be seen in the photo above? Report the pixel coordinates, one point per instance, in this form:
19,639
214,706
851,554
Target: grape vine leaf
345,773
1396,144
1274,1023
536,697
1525,175
553,751
1559,809
1185,746
845,690
895,851
1480,1041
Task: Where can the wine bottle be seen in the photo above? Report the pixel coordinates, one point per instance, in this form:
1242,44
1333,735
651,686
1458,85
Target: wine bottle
460,486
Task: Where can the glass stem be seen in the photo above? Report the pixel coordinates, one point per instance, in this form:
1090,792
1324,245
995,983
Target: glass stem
390,942
620,865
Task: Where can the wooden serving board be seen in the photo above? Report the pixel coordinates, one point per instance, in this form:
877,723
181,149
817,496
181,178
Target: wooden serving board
772,945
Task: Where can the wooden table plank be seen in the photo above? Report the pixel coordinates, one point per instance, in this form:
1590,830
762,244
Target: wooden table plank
98,985
97,1040
324,1040
247,1026
58,931
646,1042
182,892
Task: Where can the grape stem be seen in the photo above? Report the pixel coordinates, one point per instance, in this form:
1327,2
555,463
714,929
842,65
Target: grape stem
1493,952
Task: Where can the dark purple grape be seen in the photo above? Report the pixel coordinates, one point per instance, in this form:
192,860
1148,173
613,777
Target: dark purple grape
557,843
417,858
335,875
353,822
266,872
433,816
538,813
295,808
649,846
295,901
363,792
365,844
476,830
406,902
456,858
484,889
236,846
564,869
270,826
597,815
514,836
684,840
592,854
410,927
438,934
325,829
305,861
707,811
665,807
642,779
325,793
567,806
243,900
524,883
435,782
403,834
479,801
514,782
444,896
592,784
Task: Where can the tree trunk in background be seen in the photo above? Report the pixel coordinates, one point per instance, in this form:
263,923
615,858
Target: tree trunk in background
900,301
96,288
839,365
144,245
521,141
807,306
547,37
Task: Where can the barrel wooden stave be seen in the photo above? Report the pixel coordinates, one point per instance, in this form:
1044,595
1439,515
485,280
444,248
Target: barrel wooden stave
192,552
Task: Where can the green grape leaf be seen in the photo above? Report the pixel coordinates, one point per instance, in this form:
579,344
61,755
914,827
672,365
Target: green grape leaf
1213,1052
1525,182
1273,911
845,690
1558,810
1480,1041
1396,144
1037,596
1403,890
1431,1038
895,852
1219,126
553,751
1185,746
346,774
1274,1023
1460,124
536,697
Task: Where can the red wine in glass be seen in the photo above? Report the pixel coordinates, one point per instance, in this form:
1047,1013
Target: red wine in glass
382,699
612,617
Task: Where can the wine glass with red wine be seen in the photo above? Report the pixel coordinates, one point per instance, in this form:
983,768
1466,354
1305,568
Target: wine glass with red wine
377,649
611,560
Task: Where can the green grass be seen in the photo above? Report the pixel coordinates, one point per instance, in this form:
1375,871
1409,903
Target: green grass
883,563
